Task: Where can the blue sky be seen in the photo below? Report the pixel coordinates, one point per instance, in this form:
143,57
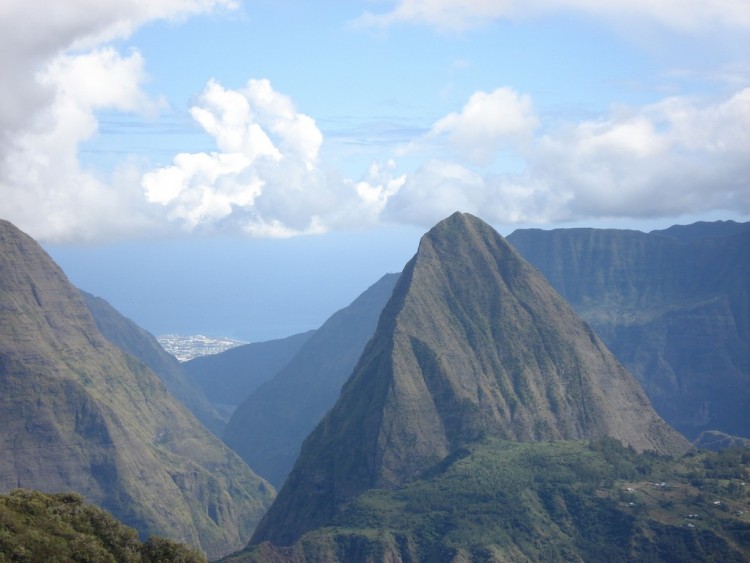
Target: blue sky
163,149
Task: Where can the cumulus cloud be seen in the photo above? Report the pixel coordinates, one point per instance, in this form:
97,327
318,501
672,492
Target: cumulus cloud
44,188
265,178
488,123
458,15
32,35
670,158
57,73
674,157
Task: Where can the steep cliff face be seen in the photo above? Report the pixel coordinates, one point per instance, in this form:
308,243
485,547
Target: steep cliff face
77,413
268,429
672,305
132,339
473,342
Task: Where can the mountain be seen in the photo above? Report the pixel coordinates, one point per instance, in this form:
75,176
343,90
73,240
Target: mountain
79,414
703,230
495,500
229,377
715,440
267,430
130,338
472,343
672,305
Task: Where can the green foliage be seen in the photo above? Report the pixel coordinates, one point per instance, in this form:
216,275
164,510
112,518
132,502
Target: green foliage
596,501
157,550
61,527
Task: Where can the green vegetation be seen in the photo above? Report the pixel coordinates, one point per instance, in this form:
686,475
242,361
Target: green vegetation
35,527
549,501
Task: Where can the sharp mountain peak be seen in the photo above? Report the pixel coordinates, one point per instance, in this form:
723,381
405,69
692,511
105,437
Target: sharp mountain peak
473,342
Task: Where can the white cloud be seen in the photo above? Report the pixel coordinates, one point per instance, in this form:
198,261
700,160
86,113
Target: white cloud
56,74
265,178
675,157
435,190
44,189
458,15
34,33
377,188
487,123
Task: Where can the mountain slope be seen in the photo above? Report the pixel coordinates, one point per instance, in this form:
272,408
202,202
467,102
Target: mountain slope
473,342
267,430
229,377
77,413
130,338
672,305
543,501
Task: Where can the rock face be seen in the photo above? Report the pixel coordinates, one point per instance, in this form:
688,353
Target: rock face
267,430
473,343
132,339
672,305
77,413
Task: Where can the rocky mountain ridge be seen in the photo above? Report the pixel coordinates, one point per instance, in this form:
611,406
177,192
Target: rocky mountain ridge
473,343
77,413
229,377
269,427
672,305
132,339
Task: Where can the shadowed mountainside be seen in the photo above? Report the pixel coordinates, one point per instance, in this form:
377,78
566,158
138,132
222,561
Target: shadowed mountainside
267,430
229,377
77,413
472,343
130,338
672,305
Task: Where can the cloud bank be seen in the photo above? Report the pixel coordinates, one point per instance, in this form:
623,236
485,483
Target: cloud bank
265,177
676,157
58,71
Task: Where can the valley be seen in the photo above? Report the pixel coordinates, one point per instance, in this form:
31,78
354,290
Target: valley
475,407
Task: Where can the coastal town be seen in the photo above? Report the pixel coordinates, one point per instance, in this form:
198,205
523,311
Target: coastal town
186,348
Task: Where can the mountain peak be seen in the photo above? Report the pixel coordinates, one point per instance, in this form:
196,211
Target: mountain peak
77,413
461,229
474,342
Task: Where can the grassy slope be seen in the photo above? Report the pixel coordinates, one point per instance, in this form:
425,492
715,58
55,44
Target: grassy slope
573,501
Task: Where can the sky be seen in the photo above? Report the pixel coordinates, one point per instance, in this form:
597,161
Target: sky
246,168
